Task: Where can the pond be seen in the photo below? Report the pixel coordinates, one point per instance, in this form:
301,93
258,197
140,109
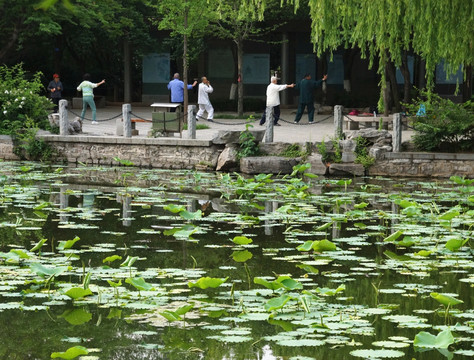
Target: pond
123,263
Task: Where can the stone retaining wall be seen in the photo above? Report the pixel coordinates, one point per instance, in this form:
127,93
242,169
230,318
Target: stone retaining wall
163,153
6,148
424,165
169,153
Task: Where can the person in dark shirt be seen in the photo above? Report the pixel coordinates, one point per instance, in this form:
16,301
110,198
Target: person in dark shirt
55,87
306,88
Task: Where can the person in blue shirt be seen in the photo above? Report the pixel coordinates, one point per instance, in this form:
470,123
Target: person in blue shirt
177,89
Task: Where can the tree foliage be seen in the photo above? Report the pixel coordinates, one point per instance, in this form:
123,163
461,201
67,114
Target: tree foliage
436,30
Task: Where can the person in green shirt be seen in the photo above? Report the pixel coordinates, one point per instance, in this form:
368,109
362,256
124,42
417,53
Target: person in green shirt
306,88
88,96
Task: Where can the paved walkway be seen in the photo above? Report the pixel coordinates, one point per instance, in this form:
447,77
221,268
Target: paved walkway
322,129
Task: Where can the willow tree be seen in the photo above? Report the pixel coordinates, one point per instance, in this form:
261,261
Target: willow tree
436,30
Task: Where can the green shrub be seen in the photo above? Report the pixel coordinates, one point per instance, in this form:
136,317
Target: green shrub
27,146
248,145
446,125
294,151
20,100
362,153
330,153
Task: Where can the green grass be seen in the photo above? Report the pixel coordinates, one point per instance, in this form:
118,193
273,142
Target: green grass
198,127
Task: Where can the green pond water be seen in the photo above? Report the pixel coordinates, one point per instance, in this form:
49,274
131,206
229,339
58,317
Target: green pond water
121,263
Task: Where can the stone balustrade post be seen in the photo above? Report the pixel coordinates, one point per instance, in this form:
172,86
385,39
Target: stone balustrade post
63,118
397,132
191,122
338,122
127,123
269,128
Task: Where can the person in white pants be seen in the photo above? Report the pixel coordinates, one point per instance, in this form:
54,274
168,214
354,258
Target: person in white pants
204,103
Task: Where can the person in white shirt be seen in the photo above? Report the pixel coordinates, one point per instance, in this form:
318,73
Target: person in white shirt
204,103
273,99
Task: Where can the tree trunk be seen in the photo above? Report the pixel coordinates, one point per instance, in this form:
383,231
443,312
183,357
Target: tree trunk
127,74
348,59
406,78
10,43
240,84
185,62
467,84
392,77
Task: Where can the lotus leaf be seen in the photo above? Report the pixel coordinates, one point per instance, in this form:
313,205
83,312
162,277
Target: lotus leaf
446,300
78,293
139,283
70,353
277,303
242,240
207,282
241,256
64,245
455,244
426,340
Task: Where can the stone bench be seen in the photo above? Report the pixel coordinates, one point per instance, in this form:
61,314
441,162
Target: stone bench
267,165
99,102
353,122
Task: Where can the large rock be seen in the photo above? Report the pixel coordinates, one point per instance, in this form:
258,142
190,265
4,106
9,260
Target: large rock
75,126
232,136
339,169
227,160
267,165
347,145
377,152
317,165
372,135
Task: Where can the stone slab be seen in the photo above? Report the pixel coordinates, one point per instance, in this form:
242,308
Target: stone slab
346,169
267,165
232,136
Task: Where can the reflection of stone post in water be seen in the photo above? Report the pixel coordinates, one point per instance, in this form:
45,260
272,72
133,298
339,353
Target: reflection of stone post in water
336,230
127,211
394,219
63,204
192,205
270,207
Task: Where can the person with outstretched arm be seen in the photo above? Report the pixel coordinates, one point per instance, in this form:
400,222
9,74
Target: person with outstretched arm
306,88
88,96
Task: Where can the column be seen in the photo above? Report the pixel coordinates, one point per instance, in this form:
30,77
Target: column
269,121
127,123
338,121
397,132
191,122
63,118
